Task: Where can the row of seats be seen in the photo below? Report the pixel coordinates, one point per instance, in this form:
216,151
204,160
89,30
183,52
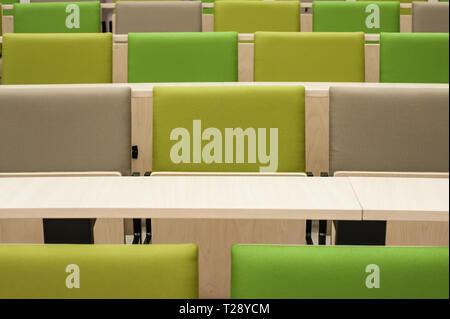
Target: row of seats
89,129
213,57
258,271
186,16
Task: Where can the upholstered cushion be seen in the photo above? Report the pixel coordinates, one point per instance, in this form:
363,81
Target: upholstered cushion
102,271
57,58
309,57
272,117
52,17
414,57
430,17
158,16
342,16
252,16
182,57
338,272
389,129
65,129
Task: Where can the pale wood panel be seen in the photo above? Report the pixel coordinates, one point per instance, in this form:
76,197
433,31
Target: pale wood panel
372,62
204,197
246,53
109,231
7,24
312,88
390,174
30,231
120,62
141,132
402,199
306,22
21,231
156,174
405,23
208,22
417,233
215,237
317,133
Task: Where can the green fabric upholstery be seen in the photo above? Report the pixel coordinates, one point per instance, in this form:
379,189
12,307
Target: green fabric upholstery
309,57
414,57
247,107
252,16
50,17
57,58
338,272
4,14
182,57
342,16
403,11
105,271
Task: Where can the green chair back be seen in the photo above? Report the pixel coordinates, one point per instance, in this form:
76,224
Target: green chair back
309,57
368,17
56,58
403,11
98,271
252,16
57,17
338,272
229,129
183,57
414,57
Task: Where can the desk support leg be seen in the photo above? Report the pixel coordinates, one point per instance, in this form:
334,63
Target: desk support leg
136,231
322,232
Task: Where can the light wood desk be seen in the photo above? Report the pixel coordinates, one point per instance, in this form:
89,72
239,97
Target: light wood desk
221,197
403,199
416,209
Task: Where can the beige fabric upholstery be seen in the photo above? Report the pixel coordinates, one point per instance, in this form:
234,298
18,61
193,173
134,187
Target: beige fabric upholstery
389,129
65,129
430,17
158,16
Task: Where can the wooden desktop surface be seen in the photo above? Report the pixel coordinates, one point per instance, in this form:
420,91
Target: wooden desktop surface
403,199
224,197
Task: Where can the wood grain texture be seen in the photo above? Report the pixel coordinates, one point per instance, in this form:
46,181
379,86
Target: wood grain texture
245,62
204,197
208,22
405,23
31,231
7,24
21,231
120,62
402,199
141,133
372,64
417,233
215,237
306,22
109,231
390,174
317,133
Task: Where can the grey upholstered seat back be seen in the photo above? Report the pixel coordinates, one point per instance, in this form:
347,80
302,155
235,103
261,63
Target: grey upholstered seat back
65,129
158,16
430,17
389,129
